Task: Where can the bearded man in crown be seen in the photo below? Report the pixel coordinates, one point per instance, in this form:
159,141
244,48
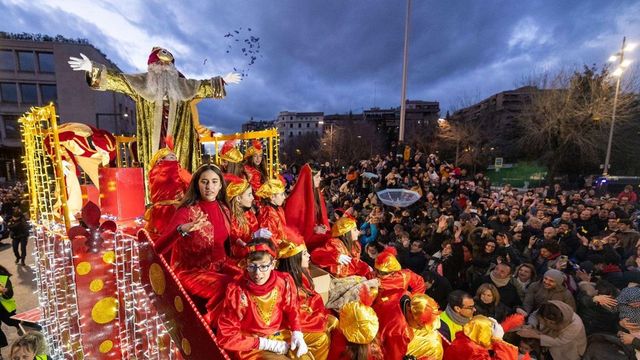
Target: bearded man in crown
165,102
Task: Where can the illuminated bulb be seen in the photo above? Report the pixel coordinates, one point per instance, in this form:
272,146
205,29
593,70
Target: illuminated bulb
617,72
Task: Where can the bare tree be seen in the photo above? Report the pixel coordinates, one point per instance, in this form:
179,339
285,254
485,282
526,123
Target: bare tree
466,142
566,124
301,149
350,142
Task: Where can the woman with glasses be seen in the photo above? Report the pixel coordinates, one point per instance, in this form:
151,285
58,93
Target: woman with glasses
260,317
196,237
315,321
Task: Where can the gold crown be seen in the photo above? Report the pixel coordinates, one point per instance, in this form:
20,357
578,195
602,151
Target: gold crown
343,226
270,187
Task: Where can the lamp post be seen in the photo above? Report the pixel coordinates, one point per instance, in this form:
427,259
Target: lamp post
622,65
405,61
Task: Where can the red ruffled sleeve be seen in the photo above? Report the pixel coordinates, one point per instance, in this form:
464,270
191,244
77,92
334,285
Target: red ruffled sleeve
169,236
273,219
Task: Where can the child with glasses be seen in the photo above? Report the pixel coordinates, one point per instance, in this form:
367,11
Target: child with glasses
260,318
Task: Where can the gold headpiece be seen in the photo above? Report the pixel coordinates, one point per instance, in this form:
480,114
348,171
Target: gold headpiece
270,188
479,329
292,245
230,153
425,311
343,226
159,155
255,148
387,261
235,185
358,323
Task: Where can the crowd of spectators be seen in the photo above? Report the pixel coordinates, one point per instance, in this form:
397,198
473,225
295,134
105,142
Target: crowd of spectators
14,219
569,260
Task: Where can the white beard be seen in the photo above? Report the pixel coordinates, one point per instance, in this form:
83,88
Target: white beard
162,80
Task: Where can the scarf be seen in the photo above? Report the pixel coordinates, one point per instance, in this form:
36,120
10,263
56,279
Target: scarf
459,319
499,282
260,290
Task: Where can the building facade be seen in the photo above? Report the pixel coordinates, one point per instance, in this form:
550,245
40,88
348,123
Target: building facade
34,72
257,125
293,124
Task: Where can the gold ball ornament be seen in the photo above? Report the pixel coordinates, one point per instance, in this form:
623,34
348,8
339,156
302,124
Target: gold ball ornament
157,279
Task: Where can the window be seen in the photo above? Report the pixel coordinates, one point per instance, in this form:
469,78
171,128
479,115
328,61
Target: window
308,125
290,126
299,125
316,124
8,92
299,132
290,133
7,61
29,93
26,61
45,63
48,93
11,126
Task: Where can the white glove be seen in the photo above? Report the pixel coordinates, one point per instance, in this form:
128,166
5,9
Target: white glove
297,342
275,346
262,233
80,64
232,78
344,259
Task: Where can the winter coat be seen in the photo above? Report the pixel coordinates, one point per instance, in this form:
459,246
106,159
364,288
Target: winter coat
569,342
537,294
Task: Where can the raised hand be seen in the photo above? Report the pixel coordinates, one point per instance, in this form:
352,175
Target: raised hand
232,78
80,64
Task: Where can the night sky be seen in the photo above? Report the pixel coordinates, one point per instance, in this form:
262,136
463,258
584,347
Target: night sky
341,55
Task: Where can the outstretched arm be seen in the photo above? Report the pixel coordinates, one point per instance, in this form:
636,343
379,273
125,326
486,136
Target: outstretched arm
99,77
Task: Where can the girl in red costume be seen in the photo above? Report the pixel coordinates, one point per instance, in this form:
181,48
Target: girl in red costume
394,283
255,168
271,213
306,210
315,321
243,219
340,255
166,189
196,236
231,159
356,335
260,311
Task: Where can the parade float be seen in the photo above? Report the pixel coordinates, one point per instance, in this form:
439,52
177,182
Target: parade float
103,291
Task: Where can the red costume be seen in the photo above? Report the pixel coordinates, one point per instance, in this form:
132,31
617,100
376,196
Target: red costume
272,217
198,259
327,258
313,314
166,190
305,209
251,311
242,233
394,331
254,176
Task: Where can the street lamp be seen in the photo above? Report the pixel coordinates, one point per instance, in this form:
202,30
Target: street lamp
622,65
405,61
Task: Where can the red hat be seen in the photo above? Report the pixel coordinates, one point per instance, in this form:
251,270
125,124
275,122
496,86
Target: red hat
159,54
255,148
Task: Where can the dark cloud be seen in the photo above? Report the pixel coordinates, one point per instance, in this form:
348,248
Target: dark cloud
337,56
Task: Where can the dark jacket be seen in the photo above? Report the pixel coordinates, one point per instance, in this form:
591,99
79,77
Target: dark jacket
508,293
498,312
